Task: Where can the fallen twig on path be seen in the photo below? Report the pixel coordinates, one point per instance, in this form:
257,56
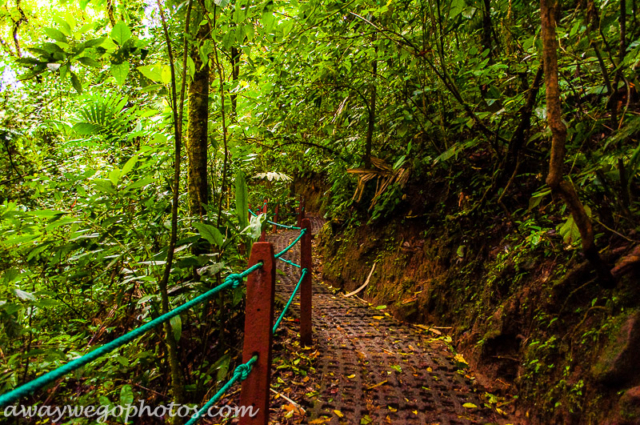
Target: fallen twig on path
364,285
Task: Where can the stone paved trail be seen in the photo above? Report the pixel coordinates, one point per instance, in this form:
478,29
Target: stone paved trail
374,369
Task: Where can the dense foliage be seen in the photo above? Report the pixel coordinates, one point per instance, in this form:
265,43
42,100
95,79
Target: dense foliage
101,100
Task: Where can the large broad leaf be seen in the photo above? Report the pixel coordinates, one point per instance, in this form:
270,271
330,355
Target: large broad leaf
89,62
85,128
57,35
569,229
95,42
120,72
120,33
152,72
26,296
242,199
176,326
209,233
166,74
126,394
128,166
76,83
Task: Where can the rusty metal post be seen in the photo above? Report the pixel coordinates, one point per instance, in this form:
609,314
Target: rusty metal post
261,287
306,290
275,219
301,211
263,235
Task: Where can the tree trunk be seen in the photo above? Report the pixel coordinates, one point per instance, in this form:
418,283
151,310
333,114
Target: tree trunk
235,74
372,110
486,27
197,132
555,178
110,14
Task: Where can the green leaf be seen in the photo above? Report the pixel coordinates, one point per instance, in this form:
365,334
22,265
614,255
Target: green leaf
120,33
120,72
114,176
57,35
45,213
242,199
569,231
26,296
176,326
128,166
89,62
76,83
66,28
140,183
191,67
267,20
210,233
166,74
123,361
126,395
85,128
28,61
95,42
104,186
152,72
537,197
222,366
47,302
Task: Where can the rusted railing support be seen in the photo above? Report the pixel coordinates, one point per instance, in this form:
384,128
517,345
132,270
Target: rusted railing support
275,219
300,211
263,235
258,324
306,290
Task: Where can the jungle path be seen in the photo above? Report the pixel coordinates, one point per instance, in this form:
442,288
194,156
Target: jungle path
373,369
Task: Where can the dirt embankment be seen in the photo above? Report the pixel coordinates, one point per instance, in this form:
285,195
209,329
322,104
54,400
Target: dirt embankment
525,311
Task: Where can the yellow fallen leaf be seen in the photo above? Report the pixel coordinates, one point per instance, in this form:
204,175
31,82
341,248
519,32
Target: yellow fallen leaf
338,413
470,406
378,317
320,421
429,369
392,409
377,385
351,376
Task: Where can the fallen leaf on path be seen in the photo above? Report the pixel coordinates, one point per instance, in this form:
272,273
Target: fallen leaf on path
377,385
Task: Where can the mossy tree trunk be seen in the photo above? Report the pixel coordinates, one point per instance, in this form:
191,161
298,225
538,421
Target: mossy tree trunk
197,130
